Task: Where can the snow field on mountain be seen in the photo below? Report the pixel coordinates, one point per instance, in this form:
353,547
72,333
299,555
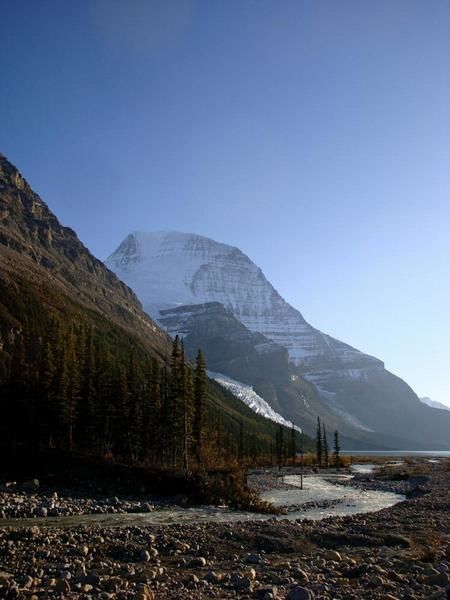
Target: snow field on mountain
246,393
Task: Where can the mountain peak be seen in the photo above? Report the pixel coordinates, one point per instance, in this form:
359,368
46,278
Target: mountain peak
184,271
170,268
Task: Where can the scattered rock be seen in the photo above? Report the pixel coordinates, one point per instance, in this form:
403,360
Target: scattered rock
40,511
299,593
199,561
144,556
332,555
253,559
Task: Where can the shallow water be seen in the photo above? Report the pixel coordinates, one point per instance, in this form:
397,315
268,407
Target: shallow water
363,468
412,453
315,489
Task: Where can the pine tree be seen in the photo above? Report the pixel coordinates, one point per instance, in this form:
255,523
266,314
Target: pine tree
319,447
152,411
107,404
135,420
88,393
336,450
47,373
171,407
68,392
121,412
187,393
280,447
165,425
199,406
325,446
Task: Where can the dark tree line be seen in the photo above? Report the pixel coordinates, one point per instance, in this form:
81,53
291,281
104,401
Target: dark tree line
322,448
66,389
79,384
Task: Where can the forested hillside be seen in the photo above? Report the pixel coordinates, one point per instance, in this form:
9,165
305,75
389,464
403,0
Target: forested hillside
83,368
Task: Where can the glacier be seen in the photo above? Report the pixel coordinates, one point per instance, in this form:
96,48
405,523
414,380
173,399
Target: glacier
247,394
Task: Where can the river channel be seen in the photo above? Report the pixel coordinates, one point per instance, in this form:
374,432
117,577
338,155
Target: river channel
324,496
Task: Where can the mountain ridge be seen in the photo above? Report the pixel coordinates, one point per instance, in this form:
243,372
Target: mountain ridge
168,270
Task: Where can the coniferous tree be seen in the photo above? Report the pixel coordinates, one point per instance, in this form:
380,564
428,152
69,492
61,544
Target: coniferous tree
175,416
187,418
120,433
74,385
68,395
280,447
325,446
199,406
336,450
135,417
108,405
165,424
47,374
152,411
319,447
88,392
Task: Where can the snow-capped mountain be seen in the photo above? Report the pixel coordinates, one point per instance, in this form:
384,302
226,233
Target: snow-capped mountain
169,269
172,271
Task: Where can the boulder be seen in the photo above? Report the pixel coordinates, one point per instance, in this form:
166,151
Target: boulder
332,555
199,561
299,593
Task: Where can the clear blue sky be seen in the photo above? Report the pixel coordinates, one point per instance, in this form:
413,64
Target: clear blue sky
313,135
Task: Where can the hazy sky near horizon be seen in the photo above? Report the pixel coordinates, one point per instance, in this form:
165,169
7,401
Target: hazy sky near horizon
315,136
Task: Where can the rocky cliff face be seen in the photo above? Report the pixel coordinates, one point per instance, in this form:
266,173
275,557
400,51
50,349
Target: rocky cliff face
169,270
37,248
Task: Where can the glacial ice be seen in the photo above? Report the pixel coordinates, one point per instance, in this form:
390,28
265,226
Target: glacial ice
247,394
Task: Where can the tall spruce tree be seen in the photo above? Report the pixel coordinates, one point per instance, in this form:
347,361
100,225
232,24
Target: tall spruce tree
319,447
280,447
326,458
186,392
199,406
336,450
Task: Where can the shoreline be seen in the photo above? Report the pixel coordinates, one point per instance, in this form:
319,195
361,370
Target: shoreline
399,552
31,500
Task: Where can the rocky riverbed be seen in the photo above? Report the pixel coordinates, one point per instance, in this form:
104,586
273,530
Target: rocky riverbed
401,552
30,500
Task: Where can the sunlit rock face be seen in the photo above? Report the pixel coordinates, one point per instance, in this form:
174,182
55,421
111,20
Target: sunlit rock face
170,271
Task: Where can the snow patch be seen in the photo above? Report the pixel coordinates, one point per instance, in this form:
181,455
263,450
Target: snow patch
246,393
